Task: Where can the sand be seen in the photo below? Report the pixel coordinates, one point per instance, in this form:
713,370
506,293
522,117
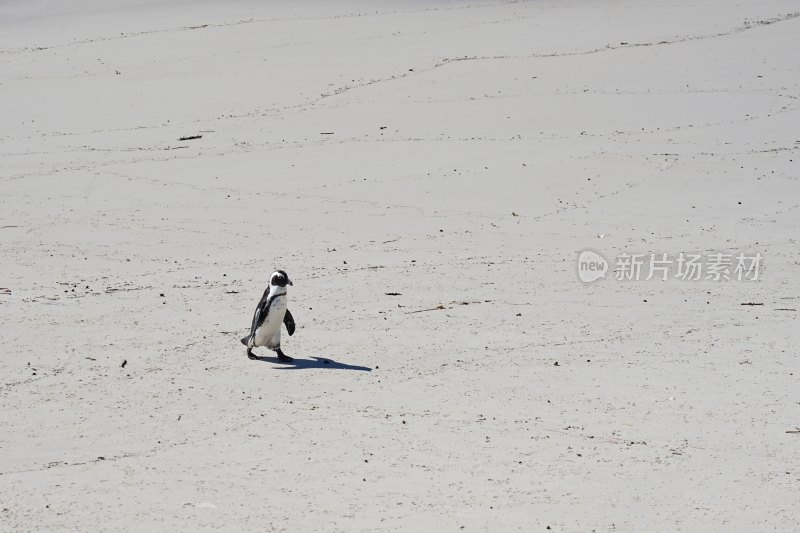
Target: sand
459,154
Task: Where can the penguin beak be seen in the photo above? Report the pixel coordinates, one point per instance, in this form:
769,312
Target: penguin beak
289,282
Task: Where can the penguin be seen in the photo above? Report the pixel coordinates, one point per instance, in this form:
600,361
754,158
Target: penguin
270,313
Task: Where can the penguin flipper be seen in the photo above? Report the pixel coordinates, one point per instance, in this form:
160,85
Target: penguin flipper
258,317
288,321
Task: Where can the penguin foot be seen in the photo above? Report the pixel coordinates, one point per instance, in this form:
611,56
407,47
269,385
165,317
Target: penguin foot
250,354
283,357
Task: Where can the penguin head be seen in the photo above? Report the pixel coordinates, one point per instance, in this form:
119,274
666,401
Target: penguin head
279,278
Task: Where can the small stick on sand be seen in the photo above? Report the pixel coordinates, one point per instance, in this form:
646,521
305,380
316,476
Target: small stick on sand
437,308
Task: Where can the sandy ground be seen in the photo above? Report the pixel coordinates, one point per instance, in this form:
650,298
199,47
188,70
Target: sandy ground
453,153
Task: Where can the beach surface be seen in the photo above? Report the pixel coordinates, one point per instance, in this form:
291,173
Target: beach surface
427,173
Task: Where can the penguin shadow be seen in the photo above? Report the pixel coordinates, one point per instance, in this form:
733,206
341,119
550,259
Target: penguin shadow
314,362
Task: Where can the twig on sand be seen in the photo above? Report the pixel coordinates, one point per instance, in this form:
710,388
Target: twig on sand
795,430
190,137
751,303
437,308
5,291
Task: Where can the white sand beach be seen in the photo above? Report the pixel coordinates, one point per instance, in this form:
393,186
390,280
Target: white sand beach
427,173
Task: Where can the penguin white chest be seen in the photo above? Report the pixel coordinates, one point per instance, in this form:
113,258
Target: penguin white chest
269,334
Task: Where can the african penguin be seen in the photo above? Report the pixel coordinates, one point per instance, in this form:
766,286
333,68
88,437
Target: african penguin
270,313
